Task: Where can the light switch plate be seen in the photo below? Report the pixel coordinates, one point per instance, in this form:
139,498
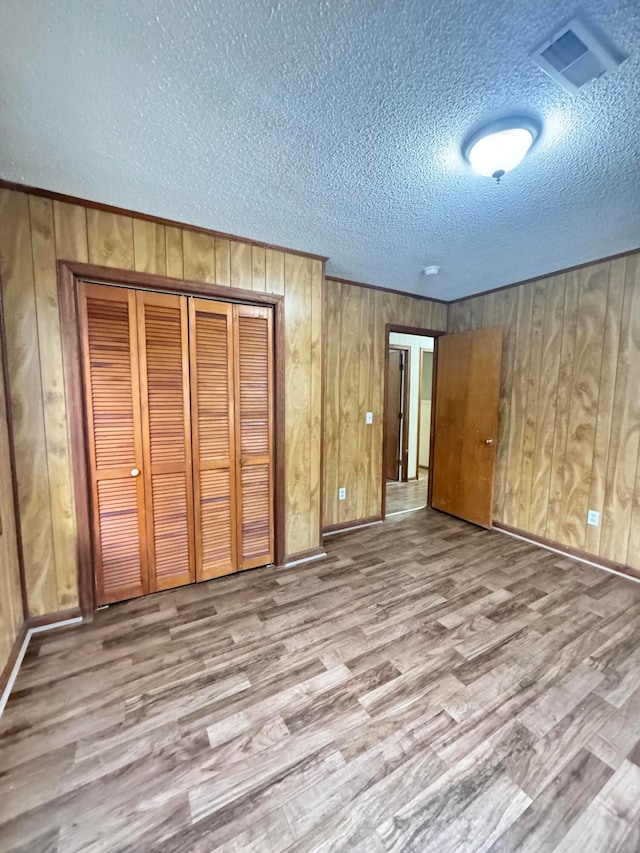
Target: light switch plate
593,518
369,418
342,494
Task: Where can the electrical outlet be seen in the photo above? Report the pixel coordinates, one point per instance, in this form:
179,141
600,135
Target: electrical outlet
369,418
342,494
593,517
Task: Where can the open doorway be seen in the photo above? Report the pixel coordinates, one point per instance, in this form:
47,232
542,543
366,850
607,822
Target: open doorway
407,421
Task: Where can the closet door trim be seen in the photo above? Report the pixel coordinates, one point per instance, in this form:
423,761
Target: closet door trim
70,274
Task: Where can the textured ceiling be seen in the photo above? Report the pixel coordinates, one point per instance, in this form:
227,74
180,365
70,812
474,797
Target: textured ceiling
331,126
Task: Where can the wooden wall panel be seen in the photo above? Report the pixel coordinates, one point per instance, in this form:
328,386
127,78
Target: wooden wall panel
332,393
23,367
258,268
504,314
34,233
275,271
55,423
622,462
607,386
223,261
356,319
519,389
199,256
71,238
544,424
533,399
11,611
241,267
315,401
569,436
365,433
349,412
149,247
562,403
110,239
583,411
437,318
174,252
298,402
377,406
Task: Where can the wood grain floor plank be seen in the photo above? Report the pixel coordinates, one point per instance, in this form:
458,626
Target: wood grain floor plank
427,686
551,815
612,821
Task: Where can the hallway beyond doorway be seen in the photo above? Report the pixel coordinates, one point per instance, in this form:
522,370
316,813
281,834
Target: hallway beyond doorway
403,497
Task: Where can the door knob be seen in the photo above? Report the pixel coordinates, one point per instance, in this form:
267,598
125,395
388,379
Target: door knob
134,472
488,441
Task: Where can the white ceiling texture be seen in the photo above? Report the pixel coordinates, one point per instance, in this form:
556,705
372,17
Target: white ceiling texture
332,126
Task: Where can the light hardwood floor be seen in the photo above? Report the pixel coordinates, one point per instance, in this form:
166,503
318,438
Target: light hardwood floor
406,496
428,686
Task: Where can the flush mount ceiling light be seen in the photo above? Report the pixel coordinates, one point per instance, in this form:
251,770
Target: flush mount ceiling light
500,146
431,270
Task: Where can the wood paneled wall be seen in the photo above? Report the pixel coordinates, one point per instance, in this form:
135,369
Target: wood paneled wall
569,405
35,231
11,611
356,319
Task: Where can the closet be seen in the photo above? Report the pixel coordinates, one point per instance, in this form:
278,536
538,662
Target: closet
179,418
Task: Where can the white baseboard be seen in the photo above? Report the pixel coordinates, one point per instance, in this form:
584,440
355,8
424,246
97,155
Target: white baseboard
402,511
349,529
23,650
305,560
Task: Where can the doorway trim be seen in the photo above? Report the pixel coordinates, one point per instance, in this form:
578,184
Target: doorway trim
423,350
426,333
403,462
70,274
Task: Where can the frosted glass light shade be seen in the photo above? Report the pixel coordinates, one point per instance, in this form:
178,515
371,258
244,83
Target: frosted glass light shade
499,147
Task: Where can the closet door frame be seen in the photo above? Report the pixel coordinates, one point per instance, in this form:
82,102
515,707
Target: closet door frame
70,276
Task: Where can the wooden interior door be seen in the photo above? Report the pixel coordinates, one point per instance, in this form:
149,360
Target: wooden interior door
467,397
253,331
112,398
214,441
163,340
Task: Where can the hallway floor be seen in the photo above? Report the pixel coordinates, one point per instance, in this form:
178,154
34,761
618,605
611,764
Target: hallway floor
406,496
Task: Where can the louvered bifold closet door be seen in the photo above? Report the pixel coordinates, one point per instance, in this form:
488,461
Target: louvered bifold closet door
253,331
110,366
214,448
163,339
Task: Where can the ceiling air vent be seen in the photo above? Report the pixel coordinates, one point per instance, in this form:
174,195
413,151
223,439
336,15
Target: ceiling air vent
576,54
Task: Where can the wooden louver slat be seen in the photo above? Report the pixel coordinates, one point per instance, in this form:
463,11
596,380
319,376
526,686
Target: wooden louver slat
214,447
111,383
217,542
110,367
164,387
254,416
179,407
119,535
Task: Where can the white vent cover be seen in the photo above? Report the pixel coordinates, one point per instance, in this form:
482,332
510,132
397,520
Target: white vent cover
574,55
